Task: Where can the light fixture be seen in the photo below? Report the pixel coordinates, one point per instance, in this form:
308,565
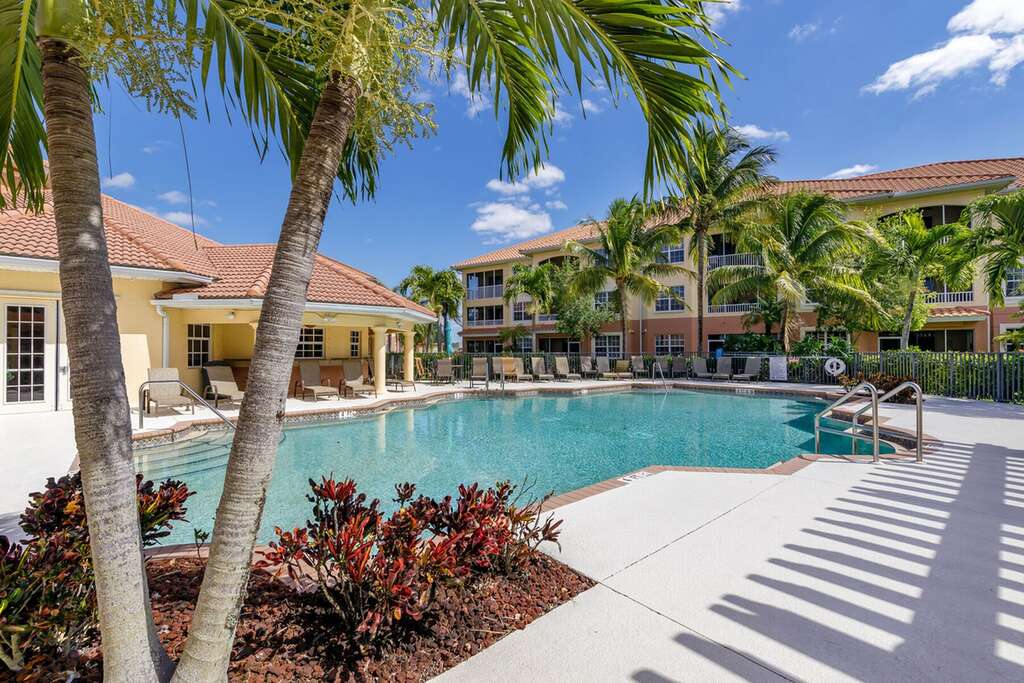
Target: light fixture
230,315
328,317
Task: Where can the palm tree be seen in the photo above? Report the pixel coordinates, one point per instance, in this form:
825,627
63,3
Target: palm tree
628,254
803,241
508,336
908,252
537,283
721,182
439,290
333,82
996,240
767,311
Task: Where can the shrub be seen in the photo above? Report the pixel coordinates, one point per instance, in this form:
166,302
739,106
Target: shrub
884,383
379,574
750,341
47,594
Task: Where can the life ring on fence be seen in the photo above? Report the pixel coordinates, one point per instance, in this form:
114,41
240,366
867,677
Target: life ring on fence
835,366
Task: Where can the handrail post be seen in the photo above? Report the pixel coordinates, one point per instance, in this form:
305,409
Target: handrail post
920,426
874,421
189,390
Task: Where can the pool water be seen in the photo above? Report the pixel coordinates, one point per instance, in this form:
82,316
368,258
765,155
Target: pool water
560,443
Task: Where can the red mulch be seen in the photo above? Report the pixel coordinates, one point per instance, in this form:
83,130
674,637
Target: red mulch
283,636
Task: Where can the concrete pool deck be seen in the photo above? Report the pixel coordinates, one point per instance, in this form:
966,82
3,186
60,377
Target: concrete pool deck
840,571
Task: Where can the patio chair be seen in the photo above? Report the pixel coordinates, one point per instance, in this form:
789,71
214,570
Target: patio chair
506,369
662,363
587,367
310,382
622,370
751,369
443,372
604,370
637,367
221,385
421,370
700,368
353,378
678,366
723,368
540,371
479,372
166,394
520,374
562,369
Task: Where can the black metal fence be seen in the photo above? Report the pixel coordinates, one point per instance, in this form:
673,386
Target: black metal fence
980,376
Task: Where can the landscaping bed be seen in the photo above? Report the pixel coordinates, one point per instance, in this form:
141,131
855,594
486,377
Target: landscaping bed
287,636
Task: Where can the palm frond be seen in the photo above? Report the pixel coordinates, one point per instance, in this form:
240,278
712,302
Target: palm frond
22,136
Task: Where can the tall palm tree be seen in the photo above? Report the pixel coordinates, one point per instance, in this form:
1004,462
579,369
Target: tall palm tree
332,81
908,252
537,283
629,255
803,241
439,290
995,240
767,311
721,181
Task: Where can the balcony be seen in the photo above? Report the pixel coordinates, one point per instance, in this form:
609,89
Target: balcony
733,260
731,308
547,317
484,323
486,292
949,297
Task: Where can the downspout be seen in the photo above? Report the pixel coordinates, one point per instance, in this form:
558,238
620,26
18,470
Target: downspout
165,335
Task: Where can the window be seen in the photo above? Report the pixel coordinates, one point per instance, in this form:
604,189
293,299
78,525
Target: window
199,344
353,344
675,253
671,300
602,300
608,345
485,316
519,312
482,346
485,284
1009,345
524,344
715,342
1015,282
888,343
311,343
668,344
825,336
26,354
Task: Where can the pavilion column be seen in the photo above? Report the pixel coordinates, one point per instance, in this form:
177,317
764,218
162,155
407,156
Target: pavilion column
409,355
380,359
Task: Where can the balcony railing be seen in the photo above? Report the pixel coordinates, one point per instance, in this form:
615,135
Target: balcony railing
486,292
733,260
731,308
547,317
485,323
949,297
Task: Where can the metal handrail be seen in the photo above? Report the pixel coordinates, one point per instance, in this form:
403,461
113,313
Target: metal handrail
919,407
873,393
191,392
657,366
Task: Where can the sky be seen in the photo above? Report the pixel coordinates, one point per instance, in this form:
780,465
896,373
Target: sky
839,89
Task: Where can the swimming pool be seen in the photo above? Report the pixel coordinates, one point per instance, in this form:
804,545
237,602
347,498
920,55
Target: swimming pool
561,443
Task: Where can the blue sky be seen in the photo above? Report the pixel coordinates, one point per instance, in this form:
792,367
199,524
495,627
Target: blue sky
837,87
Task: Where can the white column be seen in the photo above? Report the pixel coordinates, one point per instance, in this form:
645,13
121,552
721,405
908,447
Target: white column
409,355
380,359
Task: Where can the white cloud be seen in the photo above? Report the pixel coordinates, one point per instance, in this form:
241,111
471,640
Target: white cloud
754,132
121,181
986,33
802,32
150,149
561,117
505,222
173,197
475,103
989,16
207,202
183,218
851,171
546,176
592,107
556,204
718,11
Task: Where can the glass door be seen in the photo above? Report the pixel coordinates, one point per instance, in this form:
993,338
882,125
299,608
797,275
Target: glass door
25,354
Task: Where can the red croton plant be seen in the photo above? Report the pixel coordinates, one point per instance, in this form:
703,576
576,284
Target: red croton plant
379,573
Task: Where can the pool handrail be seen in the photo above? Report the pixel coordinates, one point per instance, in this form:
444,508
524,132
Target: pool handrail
919,409
854,434
189,390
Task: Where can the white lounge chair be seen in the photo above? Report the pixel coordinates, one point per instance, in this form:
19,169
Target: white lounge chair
166,393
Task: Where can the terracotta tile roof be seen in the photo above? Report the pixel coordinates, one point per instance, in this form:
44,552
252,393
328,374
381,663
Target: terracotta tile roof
243,272
914,179
138,239
957,311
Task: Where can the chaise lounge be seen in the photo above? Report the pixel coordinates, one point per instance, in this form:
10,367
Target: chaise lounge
562,369
310,382
165,392
221,385
540,371
723,368
751,369
352,374
700,368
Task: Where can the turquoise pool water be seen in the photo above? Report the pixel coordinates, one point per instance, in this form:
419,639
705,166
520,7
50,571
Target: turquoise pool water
560,443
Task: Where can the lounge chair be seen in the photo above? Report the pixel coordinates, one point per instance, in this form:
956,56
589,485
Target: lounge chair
443,371
587,367
604,370
562,369
662,364
506,369
723,368
519,373
352,374
751,369
221,385
678,366
700,368
479,373
637,367
540,371
623,369
421,371
166,394
310,382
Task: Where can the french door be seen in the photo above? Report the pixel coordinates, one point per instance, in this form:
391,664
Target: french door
28,352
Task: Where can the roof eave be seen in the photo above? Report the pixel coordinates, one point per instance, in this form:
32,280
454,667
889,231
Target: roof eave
976,185
191,301
129,272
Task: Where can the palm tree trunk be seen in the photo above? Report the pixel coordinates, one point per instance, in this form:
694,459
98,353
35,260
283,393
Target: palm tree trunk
251,463
701,303
447,328
908,319
785,328
131,649
624,316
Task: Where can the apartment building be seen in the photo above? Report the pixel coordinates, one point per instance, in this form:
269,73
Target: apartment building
957,320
